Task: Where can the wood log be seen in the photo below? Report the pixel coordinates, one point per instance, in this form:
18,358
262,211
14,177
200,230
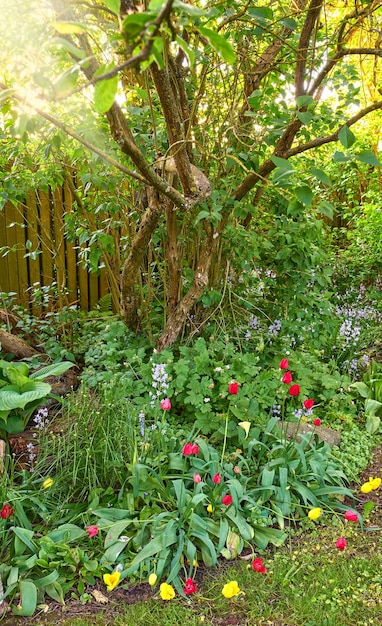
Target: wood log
15,345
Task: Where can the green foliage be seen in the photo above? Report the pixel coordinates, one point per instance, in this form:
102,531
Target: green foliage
21,393
370,388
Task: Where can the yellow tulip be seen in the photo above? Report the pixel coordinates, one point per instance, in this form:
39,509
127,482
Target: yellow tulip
245,426
367,487
166,592
47,483
111,580
209,508
153,579
314,513
375,483
231,589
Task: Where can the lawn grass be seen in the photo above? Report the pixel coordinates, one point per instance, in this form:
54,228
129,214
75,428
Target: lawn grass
308,583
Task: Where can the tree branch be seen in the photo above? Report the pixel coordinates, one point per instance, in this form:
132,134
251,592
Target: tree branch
310,23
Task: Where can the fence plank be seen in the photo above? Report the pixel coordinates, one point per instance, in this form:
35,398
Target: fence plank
33,236
5,284
42,222
58,247
46,236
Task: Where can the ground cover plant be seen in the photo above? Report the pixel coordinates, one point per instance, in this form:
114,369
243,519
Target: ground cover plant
144,476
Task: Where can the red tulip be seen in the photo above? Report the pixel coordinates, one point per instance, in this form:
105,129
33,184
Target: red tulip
287,378
190,586
258,566
190,448
317,421
165,404
233,388
92,531
284,364
6,511
308,403
341,543
197,478
217,479
351,516
227,500
294,390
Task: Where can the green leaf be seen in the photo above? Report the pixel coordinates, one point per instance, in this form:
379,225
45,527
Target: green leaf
303,101
11,398
156,545
189,9
289,23
78,53
326,208
261,14
23,538
304,116
281,163
69,28
66,533
321,176
367,156
113,5
304,194
346,137
56,369
362,389
46,580
372,407
186,49
28,599
372,423
105,91
219,44
340,157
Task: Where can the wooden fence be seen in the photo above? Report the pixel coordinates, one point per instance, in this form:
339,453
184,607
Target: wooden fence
35,254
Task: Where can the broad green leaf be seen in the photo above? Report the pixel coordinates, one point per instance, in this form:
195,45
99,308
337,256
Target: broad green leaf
69,28
289,23
56,369
304,194
220,44
372,423
155,546
23,539
46,580
261,14
304,116
303,101
28,599
340,157
113,5
78,53
264,536
66,533
10,398
105,91
186,49
135,23
346,137
281,163
320,174
367,156
362,389
372,407
55,592
189,9
326,208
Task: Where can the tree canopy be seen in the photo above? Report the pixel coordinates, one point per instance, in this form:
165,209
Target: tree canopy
203,109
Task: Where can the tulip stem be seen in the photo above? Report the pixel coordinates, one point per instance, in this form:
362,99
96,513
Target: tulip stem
225,435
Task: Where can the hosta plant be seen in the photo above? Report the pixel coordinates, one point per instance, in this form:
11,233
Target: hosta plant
21,392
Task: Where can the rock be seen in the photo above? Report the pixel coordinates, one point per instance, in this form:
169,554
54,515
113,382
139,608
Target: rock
332,437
